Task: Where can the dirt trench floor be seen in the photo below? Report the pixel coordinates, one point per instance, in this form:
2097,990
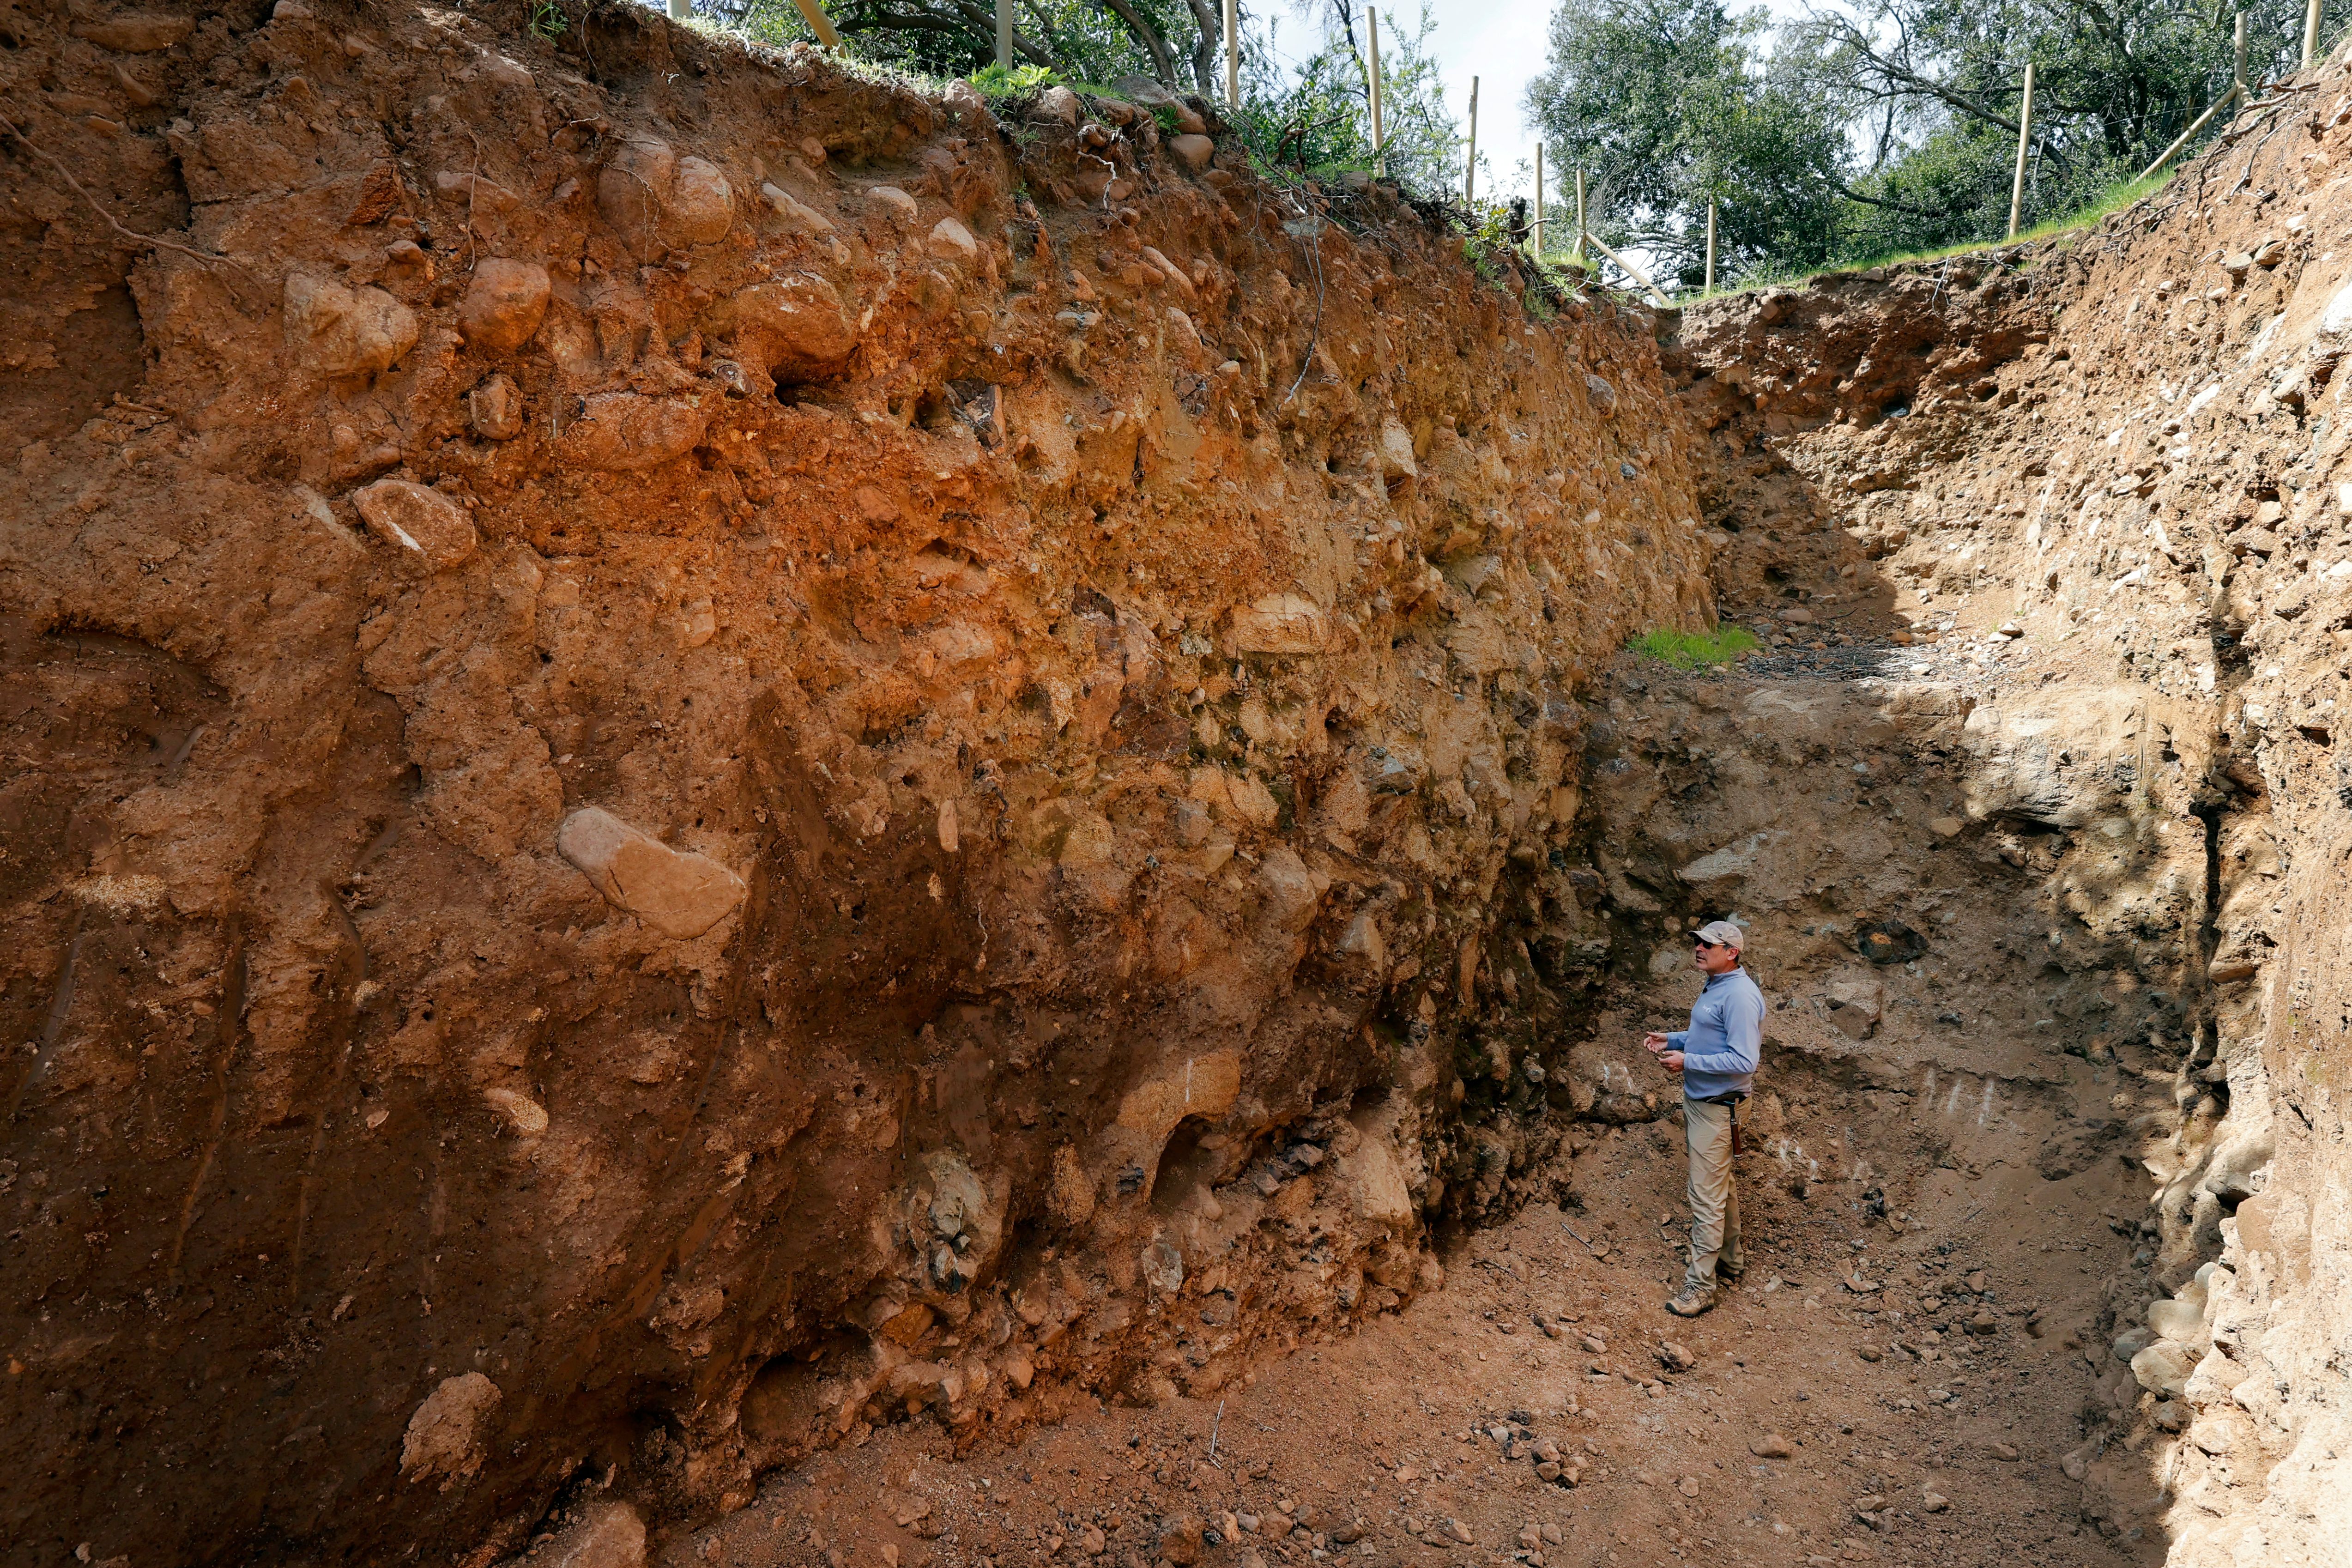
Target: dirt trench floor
1898,1378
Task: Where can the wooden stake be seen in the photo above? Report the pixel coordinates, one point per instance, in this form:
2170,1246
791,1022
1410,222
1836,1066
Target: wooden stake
1710,247
1470,174
2024,137
819,23
1232,53
2196,125
2310,31
1580,217
1631,270
1004,34
1538,228
1373,80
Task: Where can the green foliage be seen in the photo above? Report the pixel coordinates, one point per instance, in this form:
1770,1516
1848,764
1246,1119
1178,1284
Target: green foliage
1313,117
1318,119
1487,230
1078,40
1668,104
1863,128
547,19
1688,650
996,84
1952,187
2114,199
1488,242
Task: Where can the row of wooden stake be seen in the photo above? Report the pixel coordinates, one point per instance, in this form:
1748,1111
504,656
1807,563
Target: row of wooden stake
821,24
2237,92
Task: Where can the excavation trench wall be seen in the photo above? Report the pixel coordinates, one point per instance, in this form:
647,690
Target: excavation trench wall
702,752
2114,468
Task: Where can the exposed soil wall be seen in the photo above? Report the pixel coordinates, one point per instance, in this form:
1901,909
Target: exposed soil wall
702,752
713,765
2111,469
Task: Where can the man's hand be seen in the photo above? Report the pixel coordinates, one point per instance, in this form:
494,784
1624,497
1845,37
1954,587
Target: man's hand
1671,1061
1655,1045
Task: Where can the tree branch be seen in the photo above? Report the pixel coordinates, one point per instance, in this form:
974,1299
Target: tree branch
1210,30
1853,39
961,18
890,22
1055,47
1854,195
1163,65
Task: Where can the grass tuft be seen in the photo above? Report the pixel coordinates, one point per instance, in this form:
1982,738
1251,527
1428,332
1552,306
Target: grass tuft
1688,650
997,85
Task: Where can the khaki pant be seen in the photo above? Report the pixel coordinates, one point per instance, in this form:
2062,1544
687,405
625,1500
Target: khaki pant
1714,1199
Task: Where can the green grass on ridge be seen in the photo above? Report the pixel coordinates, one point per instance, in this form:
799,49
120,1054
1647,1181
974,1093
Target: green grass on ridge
2113,200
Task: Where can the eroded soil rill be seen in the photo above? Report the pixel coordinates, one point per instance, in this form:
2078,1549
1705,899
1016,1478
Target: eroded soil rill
751,818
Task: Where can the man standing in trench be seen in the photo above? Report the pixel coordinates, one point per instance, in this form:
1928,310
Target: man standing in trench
1717,1057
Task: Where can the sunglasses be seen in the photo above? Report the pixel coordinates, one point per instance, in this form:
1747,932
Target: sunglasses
1711,945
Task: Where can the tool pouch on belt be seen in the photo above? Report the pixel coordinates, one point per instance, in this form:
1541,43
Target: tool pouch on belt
1738,1143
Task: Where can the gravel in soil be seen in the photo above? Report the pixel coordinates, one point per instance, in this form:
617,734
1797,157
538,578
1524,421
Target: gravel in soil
1975,665
1883,1385
1828,1413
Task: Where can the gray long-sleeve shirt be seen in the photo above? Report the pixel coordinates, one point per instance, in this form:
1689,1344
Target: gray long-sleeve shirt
1726,1037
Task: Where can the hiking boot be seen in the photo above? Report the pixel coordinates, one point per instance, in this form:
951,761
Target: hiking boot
1691,1303
1733,1272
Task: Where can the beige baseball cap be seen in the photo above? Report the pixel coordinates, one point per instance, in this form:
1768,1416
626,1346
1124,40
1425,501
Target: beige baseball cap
1722,933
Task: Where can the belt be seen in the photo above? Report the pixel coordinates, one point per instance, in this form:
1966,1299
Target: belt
1733,1099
